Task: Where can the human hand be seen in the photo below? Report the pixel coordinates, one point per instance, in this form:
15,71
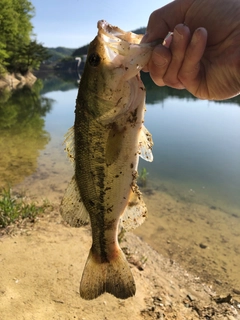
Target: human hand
203,55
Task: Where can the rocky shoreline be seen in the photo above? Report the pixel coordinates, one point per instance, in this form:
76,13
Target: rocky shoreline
16,80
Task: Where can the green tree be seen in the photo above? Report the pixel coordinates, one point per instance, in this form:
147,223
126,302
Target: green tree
23,12
18,53
29,56
8,30
3,58
35,54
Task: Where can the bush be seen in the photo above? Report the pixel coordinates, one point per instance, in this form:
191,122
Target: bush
13,208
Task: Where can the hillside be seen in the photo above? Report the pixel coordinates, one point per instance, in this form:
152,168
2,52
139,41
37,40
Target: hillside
62,59
59,53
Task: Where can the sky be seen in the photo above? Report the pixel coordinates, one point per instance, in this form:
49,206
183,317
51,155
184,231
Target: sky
73,23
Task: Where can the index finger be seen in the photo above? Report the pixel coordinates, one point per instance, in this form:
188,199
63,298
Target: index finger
163,20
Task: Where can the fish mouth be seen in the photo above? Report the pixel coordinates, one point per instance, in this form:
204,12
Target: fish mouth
121,47
114,33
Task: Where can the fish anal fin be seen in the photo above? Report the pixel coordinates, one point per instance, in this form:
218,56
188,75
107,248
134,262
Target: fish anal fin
135,212
72,208
145,145
114,277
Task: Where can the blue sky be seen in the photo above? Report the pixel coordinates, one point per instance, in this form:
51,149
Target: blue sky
73,23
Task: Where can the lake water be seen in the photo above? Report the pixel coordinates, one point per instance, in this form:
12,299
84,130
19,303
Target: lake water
195,173
197,149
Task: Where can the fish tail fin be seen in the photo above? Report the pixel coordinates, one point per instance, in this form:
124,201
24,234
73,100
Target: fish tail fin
114,277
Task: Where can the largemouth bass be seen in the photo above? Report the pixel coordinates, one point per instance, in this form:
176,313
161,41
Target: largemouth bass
105,143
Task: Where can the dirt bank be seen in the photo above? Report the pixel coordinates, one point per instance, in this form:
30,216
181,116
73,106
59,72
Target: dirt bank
41,266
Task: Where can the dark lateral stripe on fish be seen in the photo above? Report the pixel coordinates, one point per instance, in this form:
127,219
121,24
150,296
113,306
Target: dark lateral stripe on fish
102,220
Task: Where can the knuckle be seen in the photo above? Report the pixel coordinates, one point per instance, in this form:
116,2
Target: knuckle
161,56
172,82
158,81
154,15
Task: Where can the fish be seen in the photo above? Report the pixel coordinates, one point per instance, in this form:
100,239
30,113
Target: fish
104,144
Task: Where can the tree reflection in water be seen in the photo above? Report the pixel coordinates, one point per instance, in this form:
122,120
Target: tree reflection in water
22,133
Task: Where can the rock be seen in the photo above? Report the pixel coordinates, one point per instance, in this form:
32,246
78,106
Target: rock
221,299
13,81
191,297
202,246
236,291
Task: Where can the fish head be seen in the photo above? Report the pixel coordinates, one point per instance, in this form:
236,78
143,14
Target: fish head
111,72
117,52
114,57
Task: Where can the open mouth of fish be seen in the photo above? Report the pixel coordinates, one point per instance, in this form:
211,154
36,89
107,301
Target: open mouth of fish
119,44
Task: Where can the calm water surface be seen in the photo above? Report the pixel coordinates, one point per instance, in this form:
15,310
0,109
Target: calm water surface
196,143
197,149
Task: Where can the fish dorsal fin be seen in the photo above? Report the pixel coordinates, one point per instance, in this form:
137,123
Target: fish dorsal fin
69,144
72,208
135,212
145,145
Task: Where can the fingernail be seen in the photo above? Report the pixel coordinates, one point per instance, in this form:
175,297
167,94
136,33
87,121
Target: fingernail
167,39
195,37
177,35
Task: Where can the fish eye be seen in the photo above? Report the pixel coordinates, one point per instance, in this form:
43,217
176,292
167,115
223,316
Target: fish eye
94,59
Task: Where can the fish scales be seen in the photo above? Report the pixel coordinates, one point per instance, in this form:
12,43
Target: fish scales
108,138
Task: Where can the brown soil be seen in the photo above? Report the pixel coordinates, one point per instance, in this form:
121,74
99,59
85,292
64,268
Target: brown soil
41,265
204,240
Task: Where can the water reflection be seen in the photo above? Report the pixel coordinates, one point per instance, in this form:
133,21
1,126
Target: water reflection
157,94
196,146
196,143
55,83
22,132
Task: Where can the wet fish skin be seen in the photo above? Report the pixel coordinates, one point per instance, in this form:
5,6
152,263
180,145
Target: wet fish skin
108,138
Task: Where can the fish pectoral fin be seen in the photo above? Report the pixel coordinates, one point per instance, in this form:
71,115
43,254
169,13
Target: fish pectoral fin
145,145
135,212
69,143
113,276
72,208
